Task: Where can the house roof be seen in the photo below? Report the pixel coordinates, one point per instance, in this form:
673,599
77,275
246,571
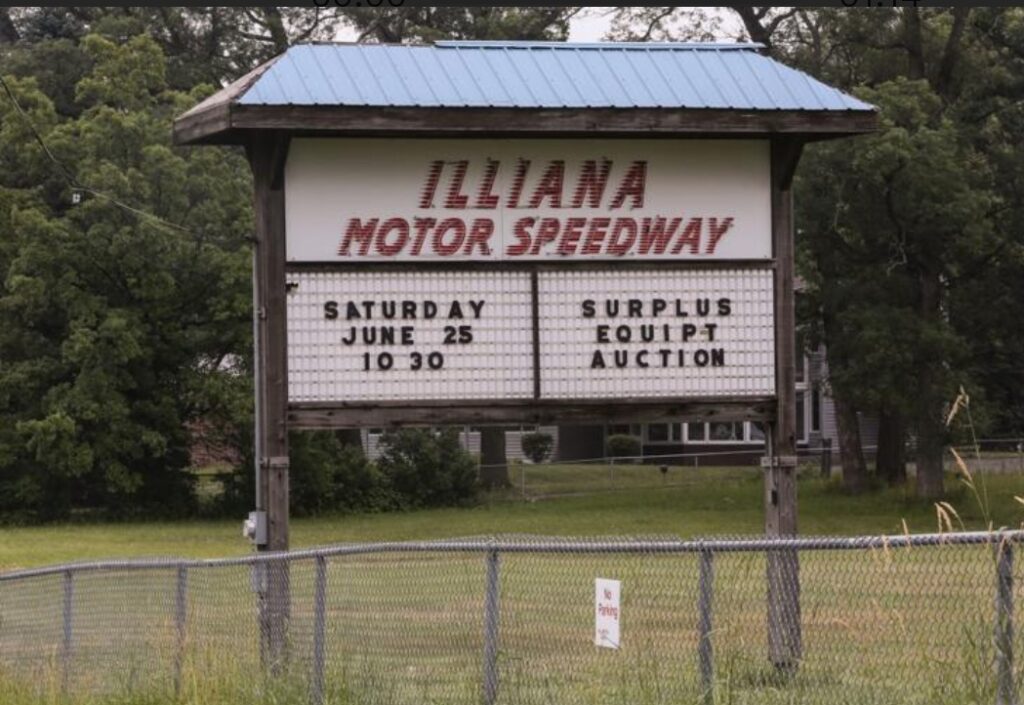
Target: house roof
299,89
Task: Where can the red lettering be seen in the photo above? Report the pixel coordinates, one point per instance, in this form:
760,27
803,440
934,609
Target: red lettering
423,226
547,232
393,248
689,237
479,233
433,176
550,185
591,184
716,232
653,233
361,233
523,237
456,199
633,185
571,236
619,247
485,198
446,249
595,236
522,166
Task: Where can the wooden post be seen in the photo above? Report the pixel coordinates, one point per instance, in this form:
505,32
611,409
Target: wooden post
267,155
783,566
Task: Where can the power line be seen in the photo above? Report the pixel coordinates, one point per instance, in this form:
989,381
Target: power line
73,180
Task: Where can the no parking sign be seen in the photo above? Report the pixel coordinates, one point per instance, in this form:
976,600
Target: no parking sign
607,612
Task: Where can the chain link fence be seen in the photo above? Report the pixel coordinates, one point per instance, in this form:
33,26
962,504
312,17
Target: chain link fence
508,620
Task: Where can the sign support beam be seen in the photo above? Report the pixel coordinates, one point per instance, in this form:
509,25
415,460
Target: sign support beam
785,645
267,154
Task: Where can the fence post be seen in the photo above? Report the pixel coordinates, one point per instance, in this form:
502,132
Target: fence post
705,649
826,458
316,685
277,613
491,629
65,652
180,617
1005,691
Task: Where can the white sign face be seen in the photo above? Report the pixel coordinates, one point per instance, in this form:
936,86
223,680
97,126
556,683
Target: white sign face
444,200
607,612
649,334
390,336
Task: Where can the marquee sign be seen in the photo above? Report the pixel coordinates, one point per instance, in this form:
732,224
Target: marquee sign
439,335
527,272
520,200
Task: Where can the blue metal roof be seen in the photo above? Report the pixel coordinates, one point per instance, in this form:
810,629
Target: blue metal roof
541,75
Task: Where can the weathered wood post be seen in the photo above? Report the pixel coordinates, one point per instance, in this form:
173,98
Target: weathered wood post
783,566
267,154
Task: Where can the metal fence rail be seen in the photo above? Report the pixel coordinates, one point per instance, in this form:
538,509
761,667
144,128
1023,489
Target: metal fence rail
886,619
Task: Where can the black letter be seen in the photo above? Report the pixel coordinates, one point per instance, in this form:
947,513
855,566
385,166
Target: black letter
331,310
588,308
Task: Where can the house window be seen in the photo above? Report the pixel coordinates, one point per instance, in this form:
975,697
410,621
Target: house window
755,432
725,432
816,409
664,433
696,432
801,417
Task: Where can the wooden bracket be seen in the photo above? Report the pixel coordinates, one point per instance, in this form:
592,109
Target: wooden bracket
786,153
268,153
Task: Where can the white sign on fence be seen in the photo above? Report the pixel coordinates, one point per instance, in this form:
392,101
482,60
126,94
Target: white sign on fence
607,612
442,200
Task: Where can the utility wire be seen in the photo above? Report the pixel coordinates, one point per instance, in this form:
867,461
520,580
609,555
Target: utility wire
73,180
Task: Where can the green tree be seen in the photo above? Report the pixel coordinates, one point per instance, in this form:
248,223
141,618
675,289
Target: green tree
907,237
119,313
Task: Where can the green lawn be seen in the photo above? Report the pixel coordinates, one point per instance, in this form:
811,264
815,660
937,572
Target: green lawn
638,500
881,626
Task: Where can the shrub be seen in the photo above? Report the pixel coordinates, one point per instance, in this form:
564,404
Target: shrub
623,445
325,475
537,445
428,467
328,475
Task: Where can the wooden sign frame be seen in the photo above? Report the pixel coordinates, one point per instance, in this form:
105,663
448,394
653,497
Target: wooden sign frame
265,132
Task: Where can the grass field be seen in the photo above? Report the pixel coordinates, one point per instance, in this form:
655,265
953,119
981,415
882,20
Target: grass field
879,627
638,501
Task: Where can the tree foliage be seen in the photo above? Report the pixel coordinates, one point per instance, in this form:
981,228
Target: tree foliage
115,313
909,240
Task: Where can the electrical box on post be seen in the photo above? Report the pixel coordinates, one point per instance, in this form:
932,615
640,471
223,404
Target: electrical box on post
255,527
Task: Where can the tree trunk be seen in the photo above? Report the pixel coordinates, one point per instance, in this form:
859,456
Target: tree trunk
890,459
8,32
851,453
493,463
930,437
928,421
